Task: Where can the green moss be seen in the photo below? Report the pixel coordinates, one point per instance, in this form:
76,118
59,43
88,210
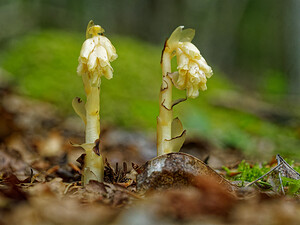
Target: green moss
247,172
250,172
44,65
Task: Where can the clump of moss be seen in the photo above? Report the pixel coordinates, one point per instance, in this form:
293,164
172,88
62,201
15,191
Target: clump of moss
246,172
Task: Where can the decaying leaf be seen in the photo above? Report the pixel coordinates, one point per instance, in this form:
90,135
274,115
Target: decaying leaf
286,170
10,189
11,161
175,170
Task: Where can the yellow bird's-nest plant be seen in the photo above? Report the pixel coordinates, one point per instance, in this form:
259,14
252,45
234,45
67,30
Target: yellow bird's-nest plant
94,62
191,76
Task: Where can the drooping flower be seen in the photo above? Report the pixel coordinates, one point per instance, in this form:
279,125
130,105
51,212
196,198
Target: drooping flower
193,70
96,54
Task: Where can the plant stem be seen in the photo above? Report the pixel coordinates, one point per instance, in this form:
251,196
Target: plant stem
92,128
165,117
93,167
93,163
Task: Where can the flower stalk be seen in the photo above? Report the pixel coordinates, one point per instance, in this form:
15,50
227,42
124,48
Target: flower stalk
191,76
94,62
164,120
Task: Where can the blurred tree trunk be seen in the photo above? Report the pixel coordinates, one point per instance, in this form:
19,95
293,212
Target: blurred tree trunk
220,31
292,42
16,17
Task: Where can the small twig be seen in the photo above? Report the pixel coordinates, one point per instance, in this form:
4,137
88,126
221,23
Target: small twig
281,185
33,178
67,188
264,175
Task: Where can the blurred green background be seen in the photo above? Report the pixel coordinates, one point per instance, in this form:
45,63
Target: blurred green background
253,100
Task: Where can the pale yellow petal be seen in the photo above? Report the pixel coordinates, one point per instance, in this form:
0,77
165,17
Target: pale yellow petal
92,61
182,60
87,48
203,66
108,72
101,55
203,86
192,91
111,51
95,76
193,68
80,68
195,79
182,78
202,76
190,49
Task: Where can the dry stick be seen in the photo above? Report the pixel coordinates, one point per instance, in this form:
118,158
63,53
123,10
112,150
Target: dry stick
279,161
296,175
264,175
281,185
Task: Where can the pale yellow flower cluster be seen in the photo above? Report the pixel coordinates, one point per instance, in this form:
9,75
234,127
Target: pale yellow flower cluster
96,54
192,68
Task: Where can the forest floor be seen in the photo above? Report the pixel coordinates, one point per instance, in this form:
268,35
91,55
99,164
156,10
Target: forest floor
40,177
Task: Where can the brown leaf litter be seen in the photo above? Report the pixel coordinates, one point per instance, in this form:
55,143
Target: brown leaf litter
40,178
